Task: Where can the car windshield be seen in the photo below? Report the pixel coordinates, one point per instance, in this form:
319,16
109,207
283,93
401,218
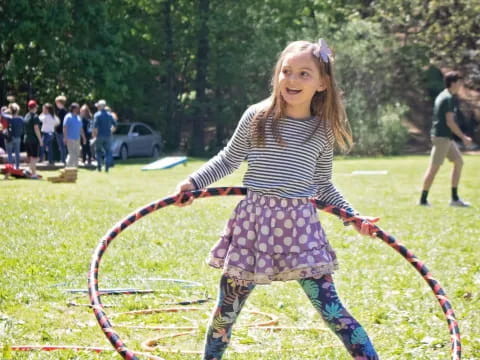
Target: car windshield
122,129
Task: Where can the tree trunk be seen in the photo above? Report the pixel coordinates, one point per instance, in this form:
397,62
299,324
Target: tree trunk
173,124
4,59
198,141
219,120
3,90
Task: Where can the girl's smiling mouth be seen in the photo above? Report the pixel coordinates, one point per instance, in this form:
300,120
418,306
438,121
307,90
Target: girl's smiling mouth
293,91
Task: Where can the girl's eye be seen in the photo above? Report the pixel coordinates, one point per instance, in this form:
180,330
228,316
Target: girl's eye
286,71
304,74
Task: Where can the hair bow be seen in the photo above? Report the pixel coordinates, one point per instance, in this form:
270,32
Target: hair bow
322,51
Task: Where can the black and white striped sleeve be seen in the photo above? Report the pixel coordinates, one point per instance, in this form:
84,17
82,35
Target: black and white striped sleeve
326,191
228,159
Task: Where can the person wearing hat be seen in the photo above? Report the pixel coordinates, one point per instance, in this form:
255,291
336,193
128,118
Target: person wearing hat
103,125
33,137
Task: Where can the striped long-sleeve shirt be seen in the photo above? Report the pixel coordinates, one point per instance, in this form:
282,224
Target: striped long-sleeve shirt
299,168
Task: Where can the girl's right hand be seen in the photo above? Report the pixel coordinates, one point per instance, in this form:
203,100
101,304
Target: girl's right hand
185,185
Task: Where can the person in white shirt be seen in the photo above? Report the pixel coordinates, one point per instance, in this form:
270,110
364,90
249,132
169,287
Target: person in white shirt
49,122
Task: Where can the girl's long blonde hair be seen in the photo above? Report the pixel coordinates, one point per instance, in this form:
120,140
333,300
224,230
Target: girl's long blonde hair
326,106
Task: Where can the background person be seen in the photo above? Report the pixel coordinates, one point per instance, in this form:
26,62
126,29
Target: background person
73,134
86,117
60,102
103,126
444,126
3,126
13,133
33,137
49,122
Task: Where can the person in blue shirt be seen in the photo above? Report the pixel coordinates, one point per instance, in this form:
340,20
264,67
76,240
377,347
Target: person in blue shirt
72,133
103,126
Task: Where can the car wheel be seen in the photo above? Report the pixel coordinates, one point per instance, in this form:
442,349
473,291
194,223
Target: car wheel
124,152
156,152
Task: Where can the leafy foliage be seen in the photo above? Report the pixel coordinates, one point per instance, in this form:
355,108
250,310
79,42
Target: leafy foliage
192,67
446,30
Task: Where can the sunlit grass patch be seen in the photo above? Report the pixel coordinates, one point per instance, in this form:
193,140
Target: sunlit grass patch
49,232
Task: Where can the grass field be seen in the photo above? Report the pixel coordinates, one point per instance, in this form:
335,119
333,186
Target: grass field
49,231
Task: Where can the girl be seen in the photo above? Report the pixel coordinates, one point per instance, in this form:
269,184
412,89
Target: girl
49,122
274,233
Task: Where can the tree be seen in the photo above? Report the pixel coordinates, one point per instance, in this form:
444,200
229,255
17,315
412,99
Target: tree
27,41
63,47
446,30
201,64
173,133
184,66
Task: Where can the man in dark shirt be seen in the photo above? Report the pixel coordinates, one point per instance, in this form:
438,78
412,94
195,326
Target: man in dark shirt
33,137
443,128
60,102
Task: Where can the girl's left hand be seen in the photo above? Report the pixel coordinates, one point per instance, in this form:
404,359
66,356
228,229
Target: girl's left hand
367,226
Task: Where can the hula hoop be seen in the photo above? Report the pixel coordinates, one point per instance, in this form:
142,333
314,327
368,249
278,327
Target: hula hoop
102,246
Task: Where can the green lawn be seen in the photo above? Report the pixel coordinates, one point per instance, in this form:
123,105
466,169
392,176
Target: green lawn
49,231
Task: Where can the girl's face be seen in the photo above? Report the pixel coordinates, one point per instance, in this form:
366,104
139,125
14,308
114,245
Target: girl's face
298,81
45,110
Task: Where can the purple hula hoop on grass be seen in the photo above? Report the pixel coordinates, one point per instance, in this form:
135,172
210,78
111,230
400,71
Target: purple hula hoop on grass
120,347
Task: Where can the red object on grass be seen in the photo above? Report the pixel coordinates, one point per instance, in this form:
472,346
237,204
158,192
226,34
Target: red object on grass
18,173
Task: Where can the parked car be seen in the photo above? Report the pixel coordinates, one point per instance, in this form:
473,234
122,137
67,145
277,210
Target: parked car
136,139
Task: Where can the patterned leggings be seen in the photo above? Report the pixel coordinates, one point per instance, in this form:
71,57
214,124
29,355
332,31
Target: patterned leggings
324,298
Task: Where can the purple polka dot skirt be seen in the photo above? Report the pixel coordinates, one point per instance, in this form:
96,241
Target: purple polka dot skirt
270,238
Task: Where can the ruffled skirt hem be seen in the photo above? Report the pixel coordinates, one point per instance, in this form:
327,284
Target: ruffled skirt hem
244,277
